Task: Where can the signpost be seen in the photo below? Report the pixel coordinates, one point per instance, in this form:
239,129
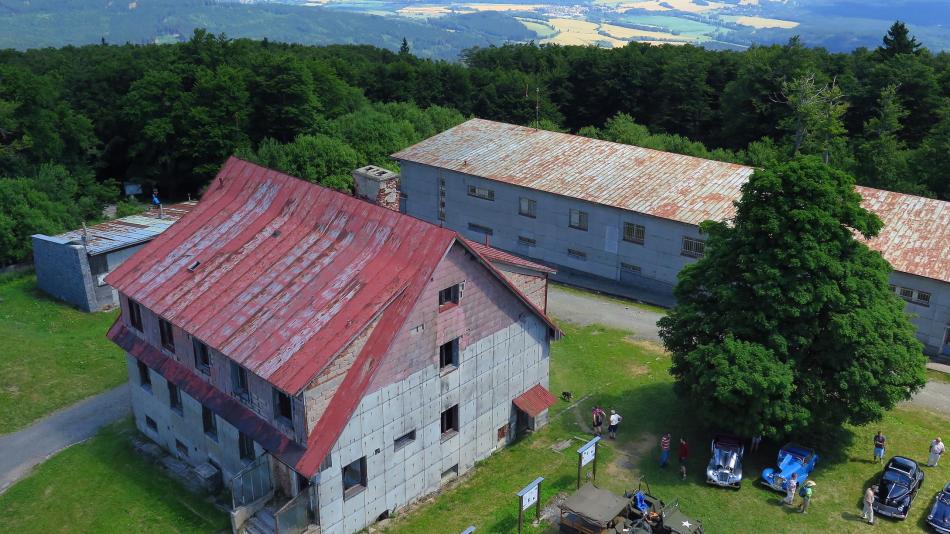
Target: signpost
469,530
530,495
585,455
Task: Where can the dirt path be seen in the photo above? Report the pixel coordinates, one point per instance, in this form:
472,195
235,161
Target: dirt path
22,450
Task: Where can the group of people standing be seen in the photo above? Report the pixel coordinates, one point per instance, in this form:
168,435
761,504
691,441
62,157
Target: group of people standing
936,450
600,416
805,491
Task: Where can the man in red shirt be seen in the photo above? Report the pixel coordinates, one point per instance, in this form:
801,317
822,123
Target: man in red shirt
684,454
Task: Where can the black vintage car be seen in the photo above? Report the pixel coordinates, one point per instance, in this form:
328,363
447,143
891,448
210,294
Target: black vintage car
898,487
939,516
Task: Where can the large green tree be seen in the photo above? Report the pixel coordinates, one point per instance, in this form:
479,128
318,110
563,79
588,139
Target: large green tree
787,324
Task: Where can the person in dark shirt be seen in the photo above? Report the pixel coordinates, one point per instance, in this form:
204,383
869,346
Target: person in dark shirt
879,442
684,455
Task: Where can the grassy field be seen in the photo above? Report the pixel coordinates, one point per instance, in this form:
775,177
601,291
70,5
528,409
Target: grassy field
51,355
603,366
103,486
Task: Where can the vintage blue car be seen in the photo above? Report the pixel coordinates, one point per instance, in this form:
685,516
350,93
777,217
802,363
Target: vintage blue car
792,458
939,516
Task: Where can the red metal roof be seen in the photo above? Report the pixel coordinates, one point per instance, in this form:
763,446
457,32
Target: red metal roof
915,240
493,255
535,400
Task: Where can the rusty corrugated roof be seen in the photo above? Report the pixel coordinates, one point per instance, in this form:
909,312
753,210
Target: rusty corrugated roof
915,240
128,231
495,255
535,400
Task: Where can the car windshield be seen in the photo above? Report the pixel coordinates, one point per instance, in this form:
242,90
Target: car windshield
945,497
896,476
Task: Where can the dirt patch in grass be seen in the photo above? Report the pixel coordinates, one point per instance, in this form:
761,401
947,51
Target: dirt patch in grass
628,455
647,344
636,369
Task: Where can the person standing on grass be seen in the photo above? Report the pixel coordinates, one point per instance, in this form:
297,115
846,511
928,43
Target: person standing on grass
665,449
879,442
936,451
756,440
806,496
614,423
684,455
791,486
598,415
869,505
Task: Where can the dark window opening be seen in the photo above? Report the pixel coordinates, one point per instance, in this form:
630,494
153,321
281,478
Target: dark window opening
481,192
202,357
151,424
449,355
450,422
527,241
634,233
135,315
145,379
578,220
694,248
527,207
327,463
576,254
245,446
181,448
629,267
174,398
503,431
450,296
168,336
209,422
239,381
480,229
450,473
283,407
354,478
404,440
302,483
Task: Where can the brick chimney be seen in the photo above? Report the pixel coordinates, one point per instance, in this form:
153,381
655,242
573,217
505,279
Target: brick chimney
377,185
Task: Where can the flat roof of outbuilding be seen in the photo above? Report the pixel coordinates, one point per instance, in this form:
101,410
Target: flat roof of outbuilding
128,231
915,239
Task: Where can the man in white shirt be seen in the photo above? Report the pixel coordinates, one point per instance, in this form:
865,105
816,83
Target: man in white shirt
614,423
936,451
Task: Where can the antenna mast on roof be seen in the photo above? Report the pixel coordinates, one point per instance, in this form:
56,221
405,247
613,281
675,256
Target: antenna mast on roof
537,106
85,235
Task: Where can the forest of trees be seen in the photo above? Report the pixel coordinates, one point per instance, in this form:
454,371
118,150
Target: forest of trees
76,122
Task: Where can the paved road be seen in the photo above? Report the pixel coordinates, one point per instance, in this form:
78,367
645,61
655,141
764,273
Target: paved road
22,450
935,396
584,310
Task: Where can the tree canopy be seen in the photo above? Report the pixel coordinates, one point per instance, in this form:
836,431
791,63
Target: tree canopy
787,323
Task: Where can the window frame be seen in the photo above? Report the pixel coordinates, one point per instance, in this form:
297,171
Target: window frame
528,207
694,243
404,440
135,314
209,423
481,193
278,415
246,450
477,228
151,424
145,376
638,233
166,333
577,254
583,220
174,398
452,363
450,296
449,422
200,349
527,241
354,488
630,267
239,374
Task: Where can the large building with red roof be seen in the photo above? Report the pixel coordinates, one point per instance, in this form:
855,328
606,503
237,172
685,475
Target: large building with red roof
318,348
629,215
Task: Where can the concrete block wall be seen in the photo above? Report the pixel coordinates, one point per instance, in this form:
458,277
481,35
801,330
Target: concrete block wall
62,271
933,321
187,427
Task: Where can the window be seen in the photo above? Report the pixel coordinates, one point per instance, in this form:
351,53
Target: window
245,446
441,198
694,248
576,254
634,233
527,207
911,295
527,241
168,337
239,381
135,315
151,424
404,440
283,408
449,296
354,478
327,463
480,229
579,220
922,298
503,431
181,448
450,422
629,267
907,293
174,398
450,473
209,422
481,192
145,379
202,358
449,355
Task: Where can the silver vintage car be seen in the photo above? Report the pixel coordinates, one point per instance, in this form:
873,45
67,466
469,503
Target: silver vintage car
725,466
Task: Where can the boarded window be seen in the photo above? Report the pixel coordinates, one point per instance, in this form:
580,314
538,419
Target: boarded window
634,233
450,296
145,378
135,315
480,229
167,335
527,241
404,440
449,355
283,407
354,478
694,248
174,398
209,422
450,422
245,446
202,358
578,220
239,381
527,207
576,254
481,192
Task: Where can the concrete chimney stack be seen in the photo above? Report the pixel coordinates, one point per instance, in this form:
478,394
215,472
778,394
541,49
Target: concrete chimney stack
377,185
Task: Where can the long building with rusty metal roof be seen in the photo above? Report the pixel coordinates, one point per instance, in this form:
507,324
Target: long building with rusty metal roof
630,215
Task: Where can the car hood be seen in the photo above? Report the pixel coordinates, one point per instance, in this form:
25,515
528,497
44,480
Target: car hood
788,466
678,523
941,515
725,460
889,491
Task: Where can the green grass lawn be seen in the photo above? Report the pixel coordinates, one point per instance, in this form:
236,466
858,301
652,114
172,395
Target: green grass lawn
101,486
51,355
602,366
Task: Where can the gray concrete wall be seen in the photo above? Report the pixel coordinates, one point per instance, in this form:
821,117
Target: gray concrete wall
62,271
659,258
186,427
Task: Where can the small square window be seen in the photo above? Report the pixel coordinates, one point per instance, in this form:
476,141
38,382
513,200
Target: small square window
526,241
907,293
450,422
576,254
450,296
449,355
922,298
503,431
135,315
450,473
480,229
202,357
181,448
694,248
145,378
174,398
167,335
481,192
634,233
527,207
629,267
209,422
578,220
283,407
245,446
404,440
239,381
151,424
354,478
